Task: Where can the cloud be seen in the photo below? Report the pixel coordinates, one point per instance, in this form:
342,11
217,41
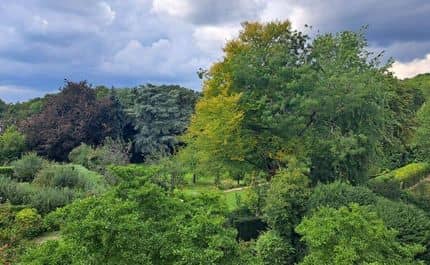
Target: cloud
211,39
412,68
209,11
124,43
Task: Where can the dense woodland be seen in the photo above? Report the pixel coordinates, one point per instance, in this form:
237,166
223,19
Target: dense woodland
298,150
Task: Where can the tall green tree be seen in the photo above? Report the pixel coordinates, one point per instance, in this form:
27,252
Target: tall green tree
325,101
161,114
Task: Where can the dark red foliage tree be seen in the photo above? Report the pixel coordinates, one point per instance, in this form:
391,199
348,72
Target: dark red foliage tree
72,117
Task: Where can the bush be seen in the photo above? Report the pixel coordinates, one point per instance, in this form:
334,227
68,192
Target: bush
26,168
48,199
12,144
386,186
412,223
272,249
112,152
44,199
6,172
15,193
70,176
51,252
411,174
338,194
29,223
81,155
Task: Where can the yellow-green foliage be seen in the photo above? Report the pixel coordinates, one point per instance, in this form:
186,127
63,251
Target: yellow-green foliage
411,174
29,222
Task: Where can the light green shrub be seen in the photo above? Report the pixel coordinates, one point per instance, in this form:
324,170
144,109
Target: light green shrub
12,144
70,176
29,223
44,199
26,168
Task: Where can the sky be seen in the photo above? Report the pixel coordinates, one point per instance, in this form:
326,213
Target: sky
130,42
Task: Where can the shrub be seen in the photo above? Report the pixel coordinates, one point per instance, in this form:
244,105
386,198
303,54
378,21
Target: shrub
412,223
411,174
29,223
272,249
44,199
353,235
48,199
80,155
51,252
70,176
338,194
15,193
112,152
6,171
12,144
26,168
386,186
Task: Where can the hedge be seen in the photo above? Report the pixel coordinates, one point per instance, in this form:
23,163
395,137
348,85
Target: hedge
6,171
406,176
411,174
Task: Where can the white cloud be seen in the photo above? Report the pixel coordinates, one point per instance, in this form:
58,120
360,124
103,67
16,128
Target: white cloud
135,58
107,14
412,68
282,10
178,8
211,39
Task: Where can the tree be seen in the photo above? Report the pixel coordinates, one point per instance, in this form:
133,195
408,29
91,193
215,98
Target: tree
72,117
324,101
352,235
272,249
422,137
286,204
161,114
12,144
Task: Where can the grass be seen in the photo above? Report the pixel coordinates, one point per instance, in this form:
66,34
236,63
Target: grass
206,184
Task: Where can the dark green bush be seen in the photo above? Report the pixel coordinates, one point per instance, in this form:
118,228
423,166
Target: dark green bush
6,171
338,194
412,223
272,249
386,187
26,168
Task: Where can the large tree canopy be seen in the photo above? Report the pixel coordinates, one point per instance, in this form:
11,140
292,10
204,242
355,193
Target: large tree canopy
326,101
72,117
